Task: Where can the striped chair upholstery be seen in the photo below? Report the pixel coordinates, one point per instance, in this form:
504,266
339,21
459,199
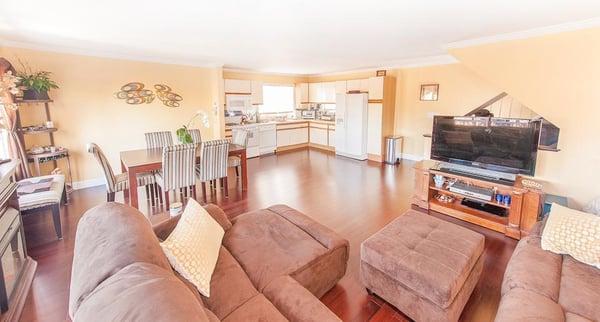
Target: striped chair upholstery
196,136
179,162
240,137
213,160
119,182
158,139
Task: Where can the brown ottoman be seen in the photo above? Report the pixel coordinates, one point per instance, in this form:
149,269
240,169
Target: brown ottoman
424,266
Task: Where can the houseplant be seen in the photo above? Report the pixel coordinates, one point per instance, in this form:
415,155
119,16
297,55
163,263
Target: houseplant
8,86
184,135
35,85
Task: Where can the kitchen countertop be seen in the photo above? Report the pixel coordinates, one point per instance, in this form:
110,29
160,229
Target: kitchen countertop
283,122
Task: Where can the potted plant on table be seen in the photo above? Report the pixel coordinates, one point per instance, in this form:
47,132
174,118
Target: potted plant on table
35,85
184,135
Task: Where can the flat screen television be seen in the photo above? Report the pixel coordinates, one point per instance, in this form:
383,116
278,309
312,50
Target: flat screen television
498,144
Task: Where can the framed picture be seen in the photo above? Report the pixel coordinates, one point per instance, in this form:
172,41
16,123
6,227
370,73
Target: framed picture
380,73
429,92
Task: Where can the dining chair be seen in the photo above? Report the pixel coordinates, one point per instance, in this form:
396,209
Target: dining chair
178,171
239,137
39,201
196,136
119,182
158,139
213,164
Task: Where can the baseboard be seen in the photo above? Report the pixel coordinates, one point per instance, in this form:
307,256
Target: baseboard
88,183
412,157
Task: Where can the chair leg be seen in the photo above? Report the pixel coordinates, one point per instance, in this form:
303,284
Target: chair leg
204,191
126,194
166,192
64,199
110,196
147,192
56,220
159,193
193,191
221,183
225,187
237,171
151,189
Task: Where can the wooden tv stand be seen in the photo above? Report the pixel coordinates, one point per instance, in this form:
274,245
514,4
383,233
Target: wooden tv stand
521,214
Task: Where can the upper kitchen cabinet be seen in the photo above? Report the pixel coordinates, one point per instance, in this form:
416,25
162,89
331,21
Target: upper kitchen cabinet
375,88
257,92
328,92
314,90
361,85
340,87
237,86
302,93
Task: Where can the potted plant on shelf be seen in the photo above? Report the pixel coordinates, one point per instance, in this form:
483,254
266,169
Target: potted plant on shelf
184,135
35,85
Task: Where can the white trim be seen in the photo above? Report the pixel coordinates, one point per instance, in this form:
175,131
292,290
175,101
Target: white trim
107,54
255,71
89,183
535,32
412,157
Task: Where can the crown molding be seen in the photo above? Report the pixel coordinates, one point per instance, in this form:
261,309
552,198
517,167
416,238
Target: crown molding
529,33
254,71
106,54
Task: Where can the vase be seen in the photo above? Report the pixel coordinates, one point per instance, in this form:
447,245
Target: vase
33,95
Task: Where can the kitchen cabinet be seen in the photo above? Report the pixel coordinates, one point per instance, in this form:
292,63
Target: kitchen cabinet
364,85
375,88
238,86
257,92
318,135
340,87
328,92
374,137
302,93
267,138
353,85
299,136
314,90
292,134
331,138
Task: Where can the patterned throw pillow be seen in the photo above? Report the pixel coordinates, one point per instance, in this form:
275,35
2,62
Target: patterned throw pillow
193,246
574,233
593,207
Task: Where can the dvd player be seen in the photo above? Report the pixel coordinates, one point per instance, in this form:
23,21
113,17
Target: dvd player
472,191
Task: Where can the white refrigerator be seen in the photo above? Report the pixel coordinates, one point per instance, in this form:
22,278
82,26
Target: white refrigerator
351,125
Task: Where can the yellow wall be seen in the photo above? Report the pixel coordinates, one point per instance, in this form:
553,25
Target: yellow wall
85,109
558,77
460,91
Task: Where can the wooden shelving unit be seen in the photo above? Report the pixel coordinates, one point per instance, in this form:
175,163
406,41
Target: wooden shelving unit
49,156
519,216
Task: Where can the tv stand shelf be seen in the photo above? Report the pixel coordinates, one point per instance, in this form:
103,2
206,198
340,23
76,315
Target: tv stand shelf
520,214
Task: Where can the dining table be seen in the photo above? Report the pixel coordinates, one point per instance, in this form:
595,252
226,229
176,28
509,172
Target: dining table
134,162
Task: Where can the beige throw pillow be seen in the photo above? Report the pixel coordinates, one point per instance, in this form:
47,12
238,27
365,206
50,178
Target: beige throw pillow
574,233
193,246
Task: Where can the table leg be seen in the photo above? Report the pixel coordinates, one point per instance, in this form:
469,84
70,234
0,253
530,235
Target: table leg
244,171
133,196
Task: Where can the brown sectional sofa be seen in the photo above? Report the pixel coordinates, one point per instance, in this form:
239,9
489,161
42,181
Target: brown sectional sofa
273,265
542,286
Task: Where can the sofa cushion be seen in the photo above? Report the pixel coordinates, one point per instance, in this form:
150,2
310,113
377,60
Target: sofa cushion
141,292
572,317
429,256
257,309
193,246
580,289
110,237
295,302
267,246
548,267
573,232
230,287
521,305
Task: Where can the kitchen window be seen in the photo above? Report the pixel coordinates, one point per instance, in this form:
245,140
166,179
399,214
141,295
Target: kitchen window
278,99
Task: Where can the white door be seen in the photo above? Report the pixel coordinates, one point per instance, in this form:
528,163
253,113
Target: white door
313,92
283,138
356,125
340,87
318,136
257,92
374,139
376,88
340,123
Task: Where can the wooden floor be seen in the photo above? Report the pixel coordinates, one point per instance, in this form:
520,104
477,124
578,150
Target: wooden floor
354,198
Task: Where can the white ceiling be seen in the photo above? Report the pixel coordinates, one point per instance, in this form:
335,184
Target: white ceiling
283,36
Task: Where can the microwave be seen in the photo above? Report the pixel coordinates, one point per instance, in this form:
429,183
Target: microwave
308,114
238,103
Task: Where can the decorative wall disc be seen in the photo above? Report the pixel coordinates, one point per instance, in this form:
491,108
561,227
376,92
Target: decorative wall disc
134,93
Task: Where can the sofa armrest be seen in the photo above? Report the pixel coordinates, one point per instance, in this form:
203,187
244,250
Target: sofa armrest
163,229
295,302
322,234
